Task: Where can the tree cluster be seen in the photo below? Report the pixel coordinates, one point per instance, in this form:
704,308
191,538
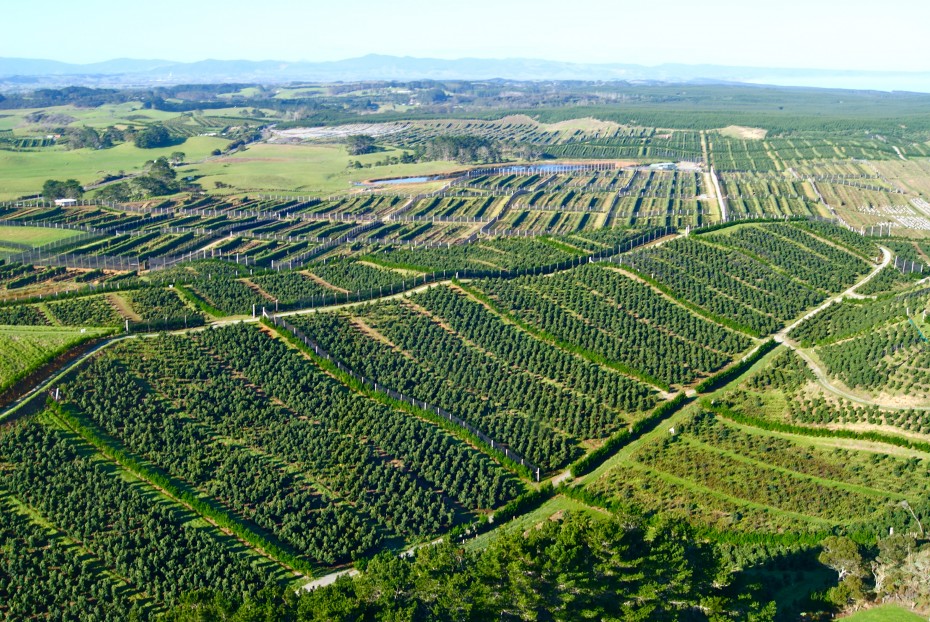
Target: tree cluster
578,568
54,189
159,179
153,137
898,571
462,149
360,144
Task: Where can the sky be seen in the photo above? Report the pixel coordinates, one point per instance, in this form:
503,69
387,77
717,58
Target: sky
810,34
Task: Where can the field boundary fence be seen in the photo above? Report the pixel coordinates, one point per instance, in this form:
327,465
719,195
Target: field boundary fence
907,266
93,262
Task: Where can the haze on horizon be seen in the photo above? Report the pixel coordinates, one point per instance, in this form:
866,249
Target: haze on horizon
803,34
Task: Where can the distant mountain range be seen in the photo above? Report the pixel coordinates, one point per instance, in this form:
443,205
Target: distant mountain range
30,73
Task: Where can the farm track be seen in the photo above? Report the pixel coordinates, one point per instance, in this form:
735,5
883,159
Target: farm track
819,372
824,380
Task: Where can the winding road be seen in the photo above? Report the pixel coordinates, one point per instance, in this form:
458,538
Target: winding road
819,373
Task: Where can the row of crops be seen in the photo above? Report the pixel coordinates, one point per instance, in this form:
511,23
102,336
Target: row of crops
754,277
511,129
378,270
273,238
276,232
608,316
360,473
149,305
447,348
466,208
677,145
625,181
124,548
237,286
781,154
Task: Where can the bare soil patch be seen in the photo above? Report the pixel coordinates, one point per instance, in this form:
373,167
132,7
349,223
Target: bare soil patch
746,133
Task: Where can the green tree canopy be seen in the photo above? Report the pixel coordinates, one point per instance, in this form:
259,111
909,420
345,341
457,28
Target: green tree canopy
359,144
152,137
70,189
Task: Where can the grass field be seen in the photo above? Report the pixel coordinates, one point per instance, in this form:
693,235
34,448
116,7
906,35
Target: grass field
130,113
23,349
311,169
24,172
34,236
885,613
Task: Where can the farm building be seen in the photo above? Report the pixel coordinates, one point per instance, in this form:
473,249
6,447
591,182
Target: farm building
65,202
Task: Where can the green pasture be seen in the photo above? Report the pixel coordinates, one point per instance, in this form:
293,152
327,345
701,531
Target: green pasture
304,91
34,236
129,113
24,348
312,169
24,172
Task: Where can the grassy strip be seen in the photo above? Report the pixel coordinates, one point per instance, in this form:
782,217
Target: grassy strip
199,303
52,355
111,286
527,502
704,313
596,500
564,345
383,398
594,459
786,539
800,430
726,375
111,449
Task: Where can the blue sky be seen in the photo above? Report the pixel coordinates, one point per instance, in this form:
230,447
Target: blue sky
853,34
